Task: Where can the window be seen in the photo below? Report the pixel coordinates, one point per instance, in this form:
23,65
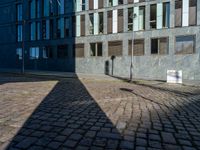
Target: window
46,8
178,13
192,12
83,5
67,27
96,23
19,12
115,48
159,46
19,33
62,51
120,21
138,48
80,5
33,31
185,44
38,30
79,50
138,13
114,2
19,53
61,7
153,12
91,17
132,1
34,53
60,28
32,6
46,29
38,12
96,49
166,15
47,52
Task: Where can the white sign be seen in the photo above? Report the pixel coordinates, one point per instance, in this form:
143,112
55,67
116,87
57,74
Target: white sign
174,76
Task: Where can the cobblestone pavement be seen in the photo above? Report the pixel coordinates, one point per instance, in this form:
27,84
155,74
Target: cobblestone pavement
38,113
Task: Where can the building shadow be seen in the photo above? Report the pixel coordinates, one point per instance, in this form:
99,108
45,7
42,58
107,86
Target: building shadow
68,118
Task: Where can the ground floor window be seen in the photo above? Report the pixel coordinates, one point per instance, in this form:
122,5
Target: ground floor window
96,49
78,50
115,48
47,52
62,51
19,53
34,53
185,44
159,46
138,48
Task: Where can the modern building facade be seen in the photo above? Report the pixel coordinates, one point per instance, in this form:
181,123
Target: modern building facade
96,36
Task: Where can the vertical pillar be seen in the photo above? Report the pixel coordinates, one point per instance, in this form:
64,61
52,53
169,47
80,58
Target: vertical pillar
125,11
105,22
198,12
147,17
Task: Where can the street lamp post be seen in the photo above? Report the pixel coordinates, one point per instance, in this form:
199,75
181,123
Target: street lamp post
132,49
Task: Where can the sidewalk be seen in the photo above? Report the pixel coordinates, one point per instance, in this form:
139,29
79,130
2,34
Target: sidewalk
91,76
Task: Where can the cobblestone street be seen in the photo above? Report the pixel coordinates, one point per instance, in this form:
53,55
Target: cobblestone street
40,113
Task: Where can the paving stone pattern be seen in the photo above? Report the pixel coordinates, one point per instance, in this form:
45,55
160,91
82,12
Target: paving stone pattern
65,114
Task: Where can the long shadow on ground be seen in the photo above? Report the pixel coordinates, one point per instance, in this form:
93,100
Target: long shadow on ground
67,118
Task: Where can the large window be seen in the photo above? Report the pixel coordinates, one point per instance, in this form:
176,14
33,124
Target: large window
19,12
46,29
47,52
185,13
159,46
32,6
79,50
96,49
96,23
60,28
153,19
185,44
115,48
135,1
33,31
34,53
138,13
62,51
19,53
166,15
138,48
46,8
19,32
67,27
61,7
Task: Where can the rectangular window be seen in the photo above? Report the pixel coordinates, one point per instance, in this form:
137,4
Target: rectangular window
100,22
120,21
91,17
34,53
38,30
79,50
178,13
138,47
130,19
38,12
159,46
33,31
192,12
61,7
19,32
62,51
135,1
185,44
32,6
96,49
153,16
83,5
47,52
46,8
82,25
46,29
19,53
67,27
19,12
109,24
115,48
166,15
60,28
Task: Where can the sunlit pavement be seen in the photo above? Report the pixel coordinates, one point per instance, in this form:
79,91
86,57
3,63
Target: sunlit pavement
40,113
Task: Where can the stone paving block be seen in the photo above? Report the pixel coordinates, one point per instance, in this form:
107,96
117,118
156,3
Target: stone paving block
168,138
26,143
126,145
70,143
